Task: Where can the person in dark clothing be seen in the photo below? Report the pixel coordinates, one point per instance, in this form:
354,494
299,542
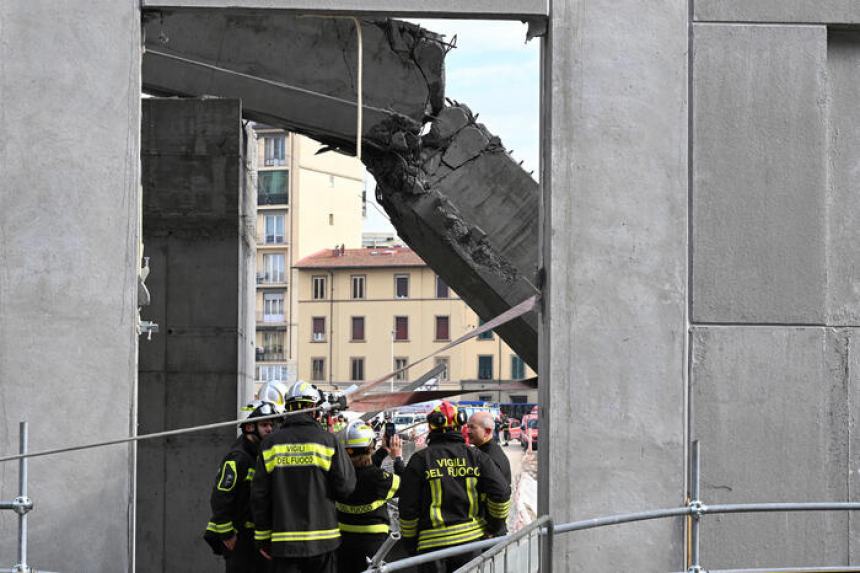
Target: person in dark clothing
230,531
394,448
301,472
446,490
481,427
363,518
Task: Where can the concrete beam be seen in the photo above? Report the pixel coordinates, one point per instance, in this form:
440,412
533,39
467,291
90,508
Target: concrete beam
778,11
296,72
483,9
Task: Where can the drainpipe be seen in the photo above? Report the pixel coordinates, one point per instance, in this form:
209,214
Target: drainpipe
330,327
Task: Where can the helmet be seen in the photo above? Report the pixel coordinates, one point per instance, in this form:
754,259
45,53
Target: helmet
273,392
303,394
358,435
258,409
446,415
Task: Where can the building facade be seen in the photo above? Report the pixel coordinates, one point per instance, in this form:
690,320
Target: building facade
366,312
304,201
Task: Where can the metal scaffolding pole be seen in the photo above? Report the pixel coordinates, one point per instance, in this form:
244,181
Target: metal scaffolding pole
21,504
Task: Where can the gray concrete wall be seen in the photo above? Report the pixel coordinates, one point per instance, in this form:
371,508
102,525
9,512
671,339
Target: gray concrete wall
69,152
198,223
615,230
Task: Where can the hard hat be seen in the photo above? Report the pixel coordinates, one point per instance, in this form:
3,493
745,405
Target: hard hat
358,435
258,409
302,392
273,392
446,415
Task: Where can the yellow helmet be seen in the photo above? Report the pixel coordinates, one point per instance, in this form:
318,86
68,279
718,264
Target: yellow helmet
446,416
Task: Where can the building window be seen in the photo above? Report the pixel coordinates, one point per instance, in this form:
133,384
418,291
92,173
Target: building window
441,288
485,367
484,335
331,180
401,328
358,282
272,373
331,218
398,364
443,376
273,187
519,399
274,265
518,368
442,328
317,369
485,397
318,287
274,147
356,369
274,229
273,346
318,329
357,329
273,307
401,286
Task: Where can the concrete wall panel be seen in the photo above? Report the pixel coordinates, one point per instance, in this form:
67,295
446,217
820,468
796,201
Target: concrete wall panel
69,151
759,174
770,409
616,224
843,209
795,11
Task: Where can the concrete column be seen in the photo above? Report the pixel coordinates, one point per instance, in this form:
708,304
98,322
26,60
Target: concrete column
615,230
199,227
69,152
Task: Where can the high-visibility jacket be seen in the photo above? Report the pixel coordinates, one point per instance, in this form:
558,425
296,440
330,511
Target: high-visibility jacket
230,499
366,509
442,492
301,471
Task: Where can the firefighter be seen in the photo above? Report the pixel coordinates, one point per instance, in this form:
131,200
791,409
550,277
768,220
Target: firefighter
301,471
363,518
274,392
481,426
442,492
230,531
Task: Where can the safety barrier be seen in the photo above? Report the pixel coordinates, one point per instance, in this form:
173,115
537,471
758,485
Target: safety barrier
695,510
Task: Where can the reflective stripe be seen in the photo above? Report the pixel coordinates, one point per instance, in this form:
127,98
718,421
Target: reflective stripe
225,527
444,542
249,525
375,528
408,527
472,494
305,535
250,475
298,455
452,529
452,535
436,504
262,535
498,509
368,507
227,480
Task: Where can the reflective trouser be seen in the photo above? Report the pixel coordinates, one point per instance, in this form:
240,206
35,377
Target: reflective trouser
325,563
356,548
245,558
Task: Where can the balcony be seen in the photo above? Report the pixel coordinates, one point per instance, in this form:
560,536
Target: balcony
279,199
270,355
271,278
272,240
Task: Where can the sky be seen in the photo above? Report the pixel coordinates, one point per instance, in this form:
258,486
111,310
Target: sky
496,74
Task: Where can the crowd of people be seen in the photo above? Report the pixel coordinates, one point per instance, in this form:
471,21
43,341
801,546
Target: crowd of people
291,496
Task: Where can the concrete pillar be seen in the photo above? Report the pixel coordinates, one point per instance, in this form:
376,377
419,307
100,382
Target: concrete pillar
69,152
616,256
199,232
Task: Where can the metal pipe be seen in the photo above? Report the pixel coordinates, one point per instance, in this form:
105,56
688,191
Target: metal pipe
779,507
503,542
22,496
622,518
546,560
830,569
384,549
434,555
695,505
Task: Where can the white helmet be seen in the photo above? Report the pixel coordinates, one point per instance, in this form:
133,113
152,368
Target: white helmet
302,393
358,435
273,392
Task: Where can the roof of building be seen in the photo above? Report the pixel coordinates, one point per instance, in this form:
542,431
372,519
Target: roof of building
359,258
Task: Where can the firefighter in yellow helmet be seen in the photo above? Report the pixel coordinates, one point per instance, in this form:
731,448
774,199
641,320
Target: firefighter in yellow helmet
451,494
363,517
301,471
230,531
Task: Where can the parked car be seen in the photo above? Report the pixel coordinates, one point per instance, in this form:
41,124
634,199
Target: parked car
529,432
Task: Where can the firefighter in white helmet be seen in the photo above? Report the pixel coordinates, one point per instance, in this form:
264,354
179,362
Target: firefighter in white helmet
363,517
301,471
230,531
274,392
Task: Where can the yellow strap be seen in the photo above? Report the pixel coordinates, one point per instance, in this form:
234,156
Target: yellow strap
225,527
305,535
375,528
451,530
262,535
453,540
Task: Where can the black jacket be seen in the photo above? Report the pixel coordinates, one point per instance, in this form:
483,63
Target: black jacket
440,498
494,450
230,499
301,471
379,456
366,509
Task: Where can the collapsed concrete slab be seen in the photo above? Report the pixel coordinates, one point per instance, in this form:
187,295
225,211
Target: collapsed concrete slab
454,194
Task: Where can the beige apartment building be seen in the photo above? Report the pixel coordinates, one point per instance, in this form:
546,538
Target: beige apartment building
305,202
366,312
